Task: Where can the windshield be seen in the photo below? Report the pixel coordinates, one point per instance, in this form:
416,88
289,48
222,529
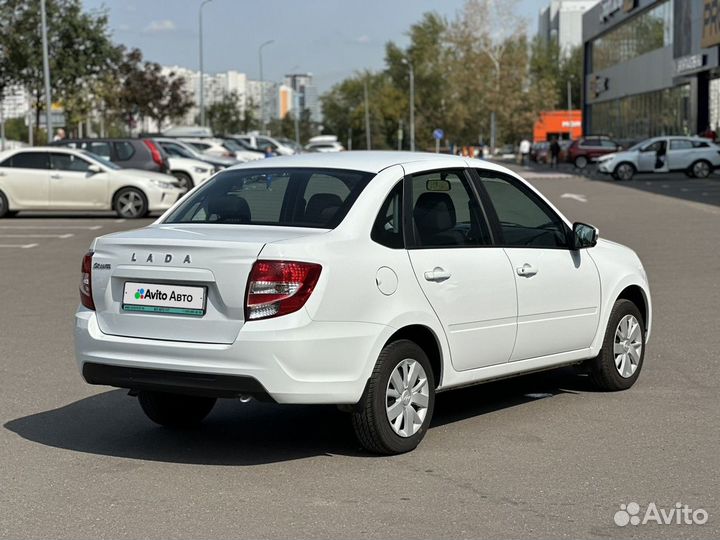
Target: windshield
296,197
173,149
103,161
231,145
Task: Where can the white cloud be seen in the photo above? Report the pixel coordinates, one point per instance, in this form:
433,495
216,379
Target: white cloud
165,25
363,39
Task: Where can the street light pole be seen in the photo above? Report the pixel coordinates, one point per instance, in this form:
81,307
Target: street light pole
412,107
262,85
202,73
569,105
46,71
368,137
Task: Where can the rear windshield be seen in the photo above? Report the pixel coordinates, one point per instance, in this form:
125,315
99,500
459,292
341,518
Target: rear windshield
294,197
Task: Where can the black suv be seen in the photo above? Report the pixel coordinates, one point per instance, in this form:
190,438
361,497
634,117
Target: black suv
143,154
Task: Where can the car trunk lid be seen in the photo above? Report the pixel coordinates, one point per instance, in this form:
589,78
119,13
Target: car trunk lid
208,259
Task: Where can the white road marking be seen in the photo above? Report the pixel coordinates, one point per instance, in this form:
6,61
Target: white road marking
63,236
21,246
52,227
574,196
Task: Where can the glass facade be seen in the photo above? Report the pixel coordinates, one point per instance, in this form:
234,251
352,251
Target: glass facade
648,31
665,112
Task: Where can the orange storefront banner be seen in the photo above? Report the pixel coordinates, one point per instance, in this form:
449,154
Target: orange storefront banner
558,124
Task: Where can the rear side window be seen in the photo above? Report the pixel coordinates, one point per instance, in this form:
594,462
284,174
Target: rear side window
388,228
680,144
99,148
124,150
28,160
295,197
446,212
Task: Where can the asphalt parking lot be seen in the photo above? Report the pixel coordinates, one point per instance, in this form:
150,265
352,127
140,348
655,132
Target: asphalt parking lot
541,456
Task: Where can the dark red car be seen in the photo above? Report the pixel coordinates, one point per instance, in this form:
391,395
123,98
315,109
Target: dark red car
587,149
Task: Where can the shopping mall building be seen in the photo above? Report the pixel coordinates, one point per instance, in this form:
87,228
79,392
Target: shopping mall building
651,68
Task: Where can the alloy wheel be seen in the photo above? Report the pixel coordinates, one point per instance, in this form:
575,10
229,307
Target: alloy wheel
130,204
701,169
625,171
581,162
407,397
627,347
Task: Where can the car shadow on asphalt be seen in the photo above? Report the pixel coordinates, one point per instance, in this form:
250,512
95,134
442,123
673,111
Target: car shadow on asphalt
112,424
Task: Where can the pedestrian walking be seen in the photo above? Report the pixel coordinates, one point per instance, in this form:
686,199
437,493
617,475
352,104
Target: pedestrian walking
554,152
524,152
59,135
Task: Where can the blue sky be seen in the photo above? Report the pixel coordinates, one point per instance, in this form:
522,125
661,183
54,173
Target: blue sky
330,38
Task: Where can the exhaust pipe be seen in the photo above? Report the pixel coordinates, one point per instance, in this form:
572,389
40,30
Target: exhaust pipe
245,398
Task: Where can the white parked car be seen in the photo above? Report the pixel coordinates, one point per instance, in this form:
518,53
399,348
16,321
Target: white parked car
178,148
261,142
324,146
223,148
189,172
694,156
371,280
57,178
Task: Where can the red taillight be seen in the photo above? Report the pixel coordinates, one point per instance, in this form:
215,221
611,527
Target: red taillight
155,152
279,287
86,298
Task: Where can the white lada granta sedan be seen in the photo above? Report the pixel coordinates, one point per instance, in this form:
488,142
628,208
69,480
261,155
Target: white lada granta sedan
370,280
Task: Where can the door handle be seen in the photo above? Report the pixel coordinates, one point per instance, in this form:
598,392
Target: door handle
437,274
527,270
55,176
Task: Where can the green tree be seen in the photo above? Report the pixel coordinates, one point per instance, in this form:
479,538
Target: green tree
428,53
225,116
79,45
165,96
571,69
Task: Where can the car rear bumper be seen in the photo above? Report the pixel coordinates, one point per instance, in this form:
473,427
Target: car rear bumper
293,361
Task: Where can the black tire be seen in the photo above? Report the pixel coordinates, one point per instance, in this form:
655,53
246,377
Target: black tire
4,207
603,369
175,410
140,205
625,171
370,419
581,162
701,168
186,182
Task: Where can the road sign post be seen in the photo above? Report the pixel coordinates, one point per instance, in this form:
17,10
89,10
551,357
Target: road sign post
438,135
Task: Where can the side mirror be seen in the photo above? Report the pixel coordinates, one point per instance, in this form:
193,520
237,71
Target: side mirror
584,236
94,169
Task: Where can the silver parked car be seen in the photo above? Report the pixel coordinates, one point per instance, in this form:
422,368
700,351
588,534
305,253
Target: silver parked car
695,156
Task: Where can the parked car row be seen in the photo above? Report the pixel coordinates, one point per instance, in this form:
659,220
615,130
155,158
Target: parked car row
697,157
64,178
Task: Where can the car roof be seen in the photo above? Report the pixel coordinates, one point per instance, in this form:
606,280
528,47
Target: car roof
372,161
40,149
